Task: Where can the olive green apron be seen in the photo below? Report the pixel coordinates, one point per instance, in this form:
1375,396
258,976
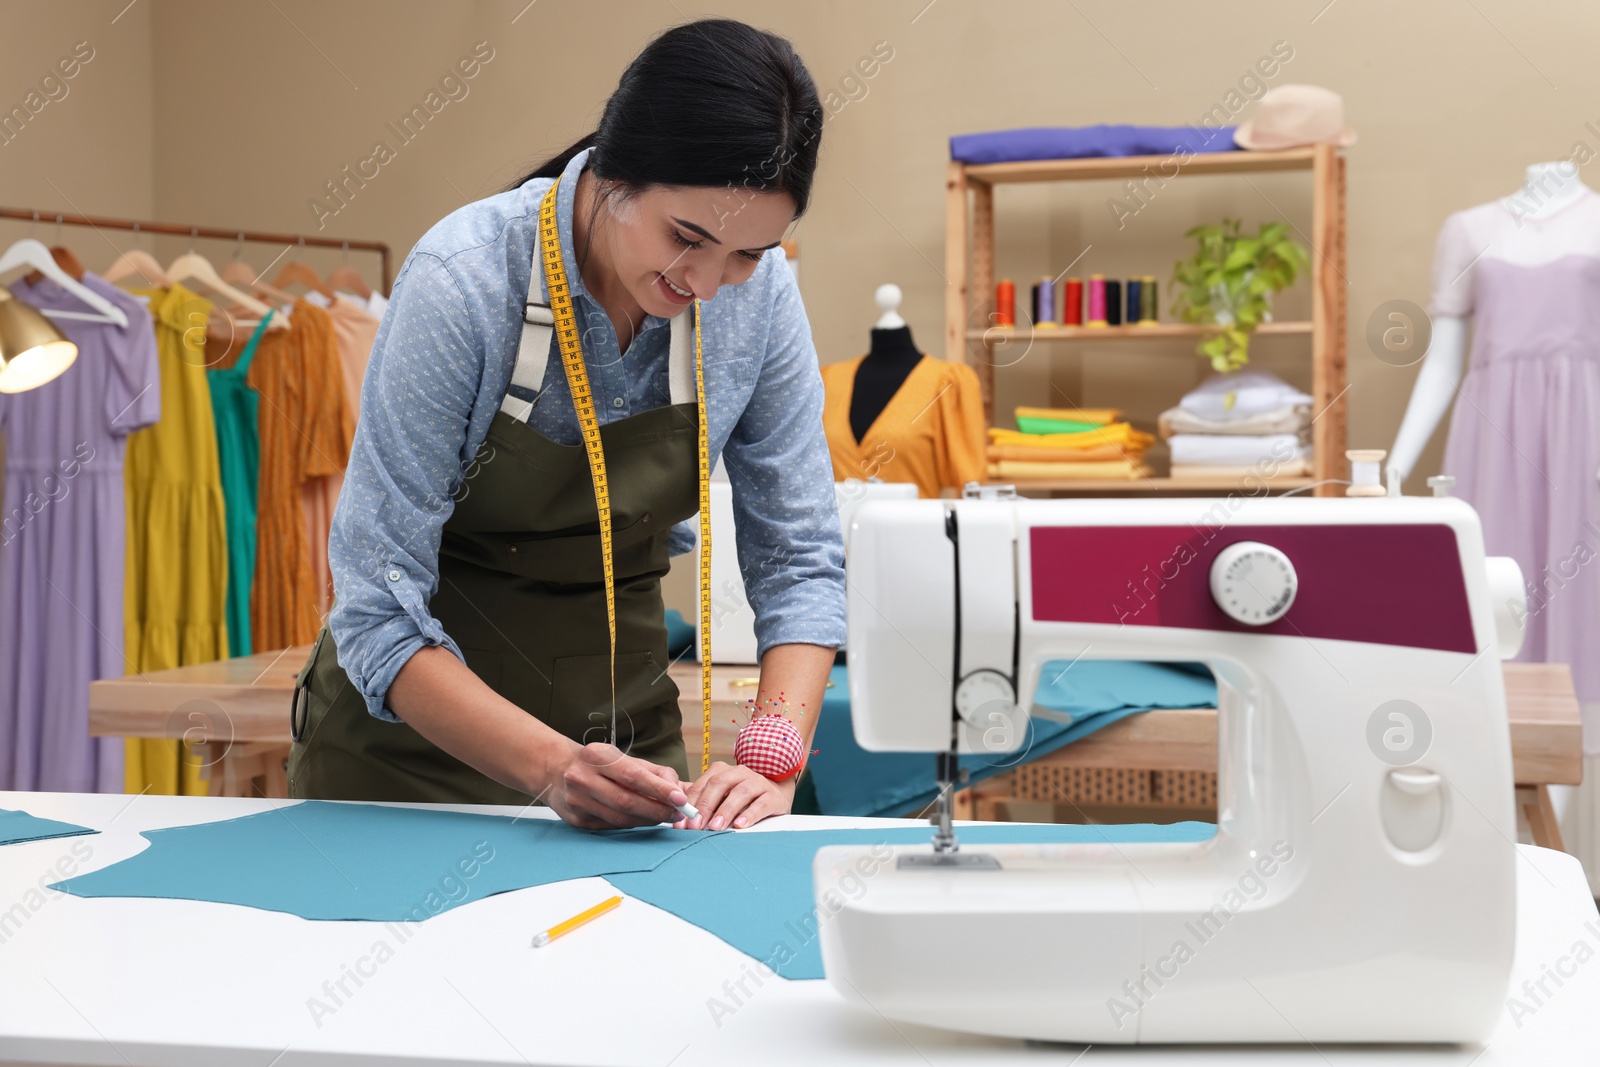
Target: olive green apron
522,593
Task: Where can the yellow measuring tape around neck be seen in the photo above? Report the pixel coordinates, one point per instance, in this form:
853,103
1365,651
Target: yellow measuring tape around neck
555,278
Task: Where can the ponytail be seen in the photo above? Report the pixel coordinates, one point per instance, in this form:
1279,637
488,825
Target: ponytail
553,167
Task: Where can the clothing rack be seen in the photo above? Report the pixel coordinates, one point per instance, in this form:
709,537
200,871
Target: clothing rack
101,222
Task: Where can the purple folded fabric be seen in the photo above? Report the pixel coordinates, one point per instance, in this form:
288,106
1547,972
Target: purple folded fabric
1080,142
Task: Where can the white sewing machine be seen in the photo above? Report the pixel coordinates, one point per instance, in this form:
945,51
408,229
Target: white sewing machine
1360,886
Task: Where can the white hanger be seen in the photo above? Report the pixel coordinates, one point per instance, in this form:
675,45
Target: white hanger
29,252
888,299
194,267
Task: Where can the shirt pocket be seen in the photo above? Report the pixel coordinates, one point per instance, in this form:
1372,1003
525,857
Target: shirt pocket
733,376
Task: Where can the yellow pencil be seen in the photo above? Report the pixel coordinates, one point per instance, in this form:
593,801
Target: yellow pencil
543,939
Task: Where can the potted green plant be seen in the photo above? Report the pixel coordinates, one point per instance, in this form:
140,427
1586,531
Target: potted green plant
1228,283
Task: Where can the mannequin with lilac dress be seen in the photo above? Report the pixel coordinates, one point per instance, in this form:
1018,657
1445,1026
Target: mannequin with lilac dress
1524,443
62,523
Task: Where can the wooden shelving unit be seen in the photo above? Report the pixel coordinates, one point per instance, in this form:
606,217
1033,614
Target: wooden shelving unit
969,266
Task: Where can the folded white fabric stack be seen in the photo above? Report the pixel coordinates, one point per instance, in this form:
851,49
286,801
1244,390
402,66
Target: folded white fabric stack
1248,422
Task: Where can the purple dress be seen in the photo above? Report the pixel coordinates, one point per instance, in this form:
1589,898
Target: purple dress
62,531
1525,437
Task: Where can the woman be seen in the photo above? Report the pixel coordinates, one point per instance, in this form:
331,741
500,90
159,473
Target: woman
468,655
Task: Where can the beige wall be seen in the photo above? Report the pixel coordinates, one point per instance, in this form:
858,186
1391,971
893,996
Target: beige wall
86,143
236,114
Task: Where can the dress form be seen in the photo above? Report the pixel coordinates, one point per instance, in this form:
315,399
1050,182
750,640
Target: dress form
1548,188
890,359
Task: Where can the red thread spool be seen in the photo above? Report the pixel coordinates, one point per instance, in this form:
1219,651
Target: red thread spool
771,746
1072,306
1005,303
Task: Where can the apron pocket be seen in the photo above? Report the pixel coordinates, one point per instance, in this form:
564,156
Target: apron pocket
580,697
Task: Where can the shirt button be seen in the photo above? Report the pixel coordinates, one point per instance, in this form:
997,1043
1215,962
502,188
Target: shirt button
394,576
616,401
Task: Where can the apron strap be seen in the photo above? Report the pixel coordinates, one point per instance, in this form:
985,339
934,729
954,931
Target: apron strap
533,351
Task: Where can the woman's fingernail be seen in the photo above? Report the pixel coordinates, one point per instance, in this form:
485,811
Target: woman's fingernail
740,821
716,823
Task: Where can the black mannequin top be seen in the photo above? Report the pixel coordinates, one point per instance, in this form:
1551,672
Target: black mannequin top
888,363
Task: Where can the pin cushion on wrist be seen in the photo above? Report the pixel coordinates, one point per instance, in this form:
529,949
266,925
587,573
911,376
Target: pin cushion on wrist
771,746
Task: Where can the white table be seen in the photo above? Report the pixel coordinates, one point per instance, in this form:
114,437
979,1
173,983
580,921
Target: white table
136,982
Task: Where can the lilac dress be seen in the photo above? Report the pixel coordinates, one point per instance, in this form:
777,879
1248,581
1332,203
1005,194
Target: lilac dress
1525,437
62,531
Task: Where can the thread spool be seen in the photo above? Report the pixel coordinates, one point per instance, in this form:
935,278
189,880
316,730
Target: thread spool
1072,304
1044,305
1135,305
1113,303
1097,300
1148,308
1005,303
1365,472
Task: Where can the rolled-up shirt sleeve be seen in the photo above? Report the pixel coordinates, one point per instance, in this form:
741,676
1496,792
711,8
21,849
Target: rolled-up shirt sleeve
406,463
791,550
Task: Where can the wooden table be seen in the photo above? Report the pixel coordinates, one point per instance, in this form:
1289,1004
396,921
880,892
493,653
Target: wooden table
236,713
239,709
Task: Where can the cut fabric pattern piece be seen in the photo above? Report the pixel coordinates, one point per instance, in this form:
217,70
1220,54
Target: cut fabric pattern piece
18,826
323,860
753,889
1079,698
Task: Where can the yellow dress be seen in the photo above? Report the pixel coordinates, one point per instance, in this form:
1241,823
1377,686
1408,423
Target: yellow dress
930,432
177,565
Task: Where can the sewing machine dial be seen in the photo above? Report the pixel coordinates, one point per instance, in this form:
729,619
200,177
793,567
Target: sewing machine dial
1253,583
978,691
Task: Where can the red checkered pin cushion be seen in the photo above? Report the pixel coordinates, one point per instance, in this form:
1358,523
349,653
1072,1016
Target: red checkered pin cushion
771,746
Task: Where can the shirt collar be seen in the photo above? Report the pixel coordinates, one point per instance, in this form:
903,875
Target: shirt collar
565,196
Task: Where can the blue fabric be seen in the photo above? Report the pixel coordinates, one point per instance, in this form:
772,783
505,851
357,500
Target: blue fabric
441,365
18,826
680,635
322,860
1095,693
1079,142
754,889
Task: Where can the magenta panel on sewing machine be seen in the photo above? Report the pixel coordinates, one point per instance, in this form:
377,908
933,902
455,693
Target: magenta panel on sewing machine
1385,584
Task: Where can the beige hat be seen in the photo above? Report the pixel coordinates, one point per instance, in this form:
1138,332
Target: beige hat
1294,115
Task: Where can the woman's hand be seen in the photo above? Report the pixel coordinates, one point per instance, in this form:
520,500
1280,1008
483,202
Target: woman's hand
737,797
598,787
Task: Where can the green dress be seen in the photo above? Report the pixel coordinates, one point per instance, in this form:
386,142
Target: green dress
234,405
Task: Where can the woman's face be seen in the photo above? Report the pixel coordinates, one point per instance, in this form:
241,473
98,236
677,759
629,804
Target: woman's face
672,244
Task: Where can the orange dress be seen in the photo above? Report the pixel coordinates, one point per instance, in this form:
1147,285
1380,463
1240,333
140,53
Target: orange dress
930,432
354,330
305,437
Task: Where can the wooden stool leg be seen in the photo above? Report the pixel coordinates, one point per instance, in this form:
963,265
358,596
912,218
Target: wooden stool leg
1541,816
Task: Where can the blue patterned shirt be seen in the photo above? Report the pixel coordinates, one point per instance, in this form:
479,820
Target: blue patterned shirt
441,365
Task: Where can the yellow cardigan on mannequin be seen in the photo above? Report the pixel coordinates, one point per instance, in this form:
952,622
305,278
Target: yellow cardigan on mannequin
930,432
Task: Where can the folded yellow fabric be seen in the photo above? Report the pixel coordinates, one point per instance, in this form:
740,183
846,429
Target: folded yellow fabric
1110,469
1057,455
1117,433
1098,416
